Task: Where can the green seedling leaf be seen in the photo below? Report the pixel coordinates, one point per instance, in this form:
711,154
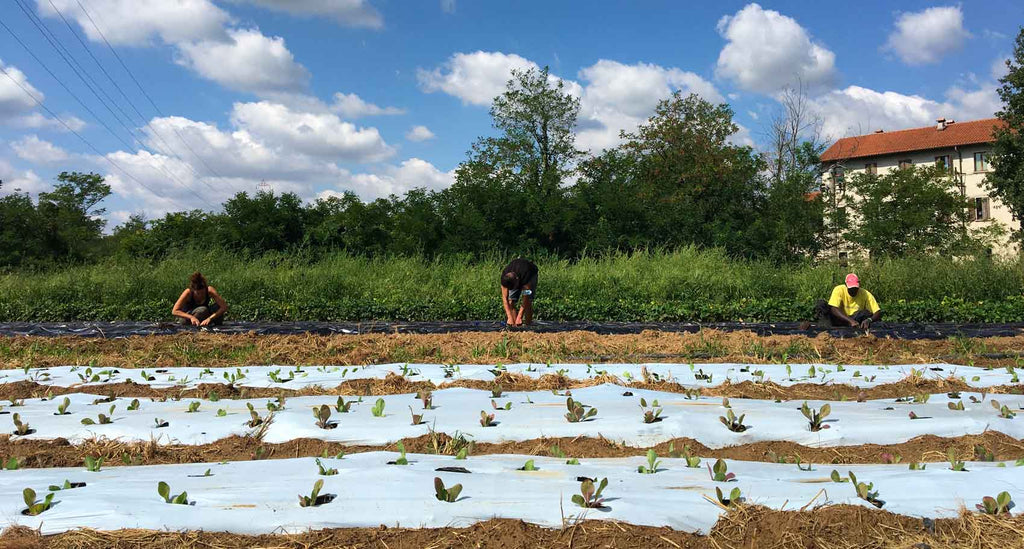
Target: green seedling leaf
378,408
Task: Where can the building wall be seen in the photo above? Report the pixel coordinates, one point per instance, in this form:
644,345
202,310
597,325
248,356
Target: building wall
963,163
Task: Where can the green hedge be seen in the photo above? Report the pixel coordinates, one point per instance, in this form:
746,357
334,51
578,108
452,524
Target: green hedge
684,285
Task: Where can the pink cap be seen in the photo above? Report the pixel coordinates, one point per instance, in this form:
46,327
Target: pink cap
852,281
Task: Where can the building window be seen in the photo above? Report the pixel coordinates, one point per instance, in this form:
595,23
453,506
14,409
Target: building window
980,210
871,168
839,177
904,164
980,162
944,162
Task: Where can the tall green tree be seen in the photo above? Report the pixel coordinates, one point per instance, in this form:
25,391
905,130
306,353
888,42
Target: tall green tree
1006,181
514,179
915,210
71,216
263,222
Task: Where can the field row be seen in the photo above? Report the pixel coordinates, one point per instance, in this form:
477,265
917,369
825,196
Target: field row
686,375
634,417
387,488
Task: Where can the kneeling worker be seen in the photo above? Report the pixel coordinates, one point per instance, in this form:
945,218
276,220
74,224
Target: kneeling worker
194,304
519,279
849,305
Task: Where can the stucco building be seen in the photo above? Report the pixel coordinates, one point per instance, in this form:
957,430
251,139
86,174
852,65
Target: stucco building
963,147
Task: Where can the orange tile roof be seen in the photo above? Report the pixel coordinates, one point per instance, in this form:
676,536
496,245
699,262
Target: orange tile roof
915,139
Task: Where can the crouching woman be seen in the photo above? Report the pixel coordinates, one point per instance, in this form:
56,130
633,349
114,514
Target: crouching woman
200,304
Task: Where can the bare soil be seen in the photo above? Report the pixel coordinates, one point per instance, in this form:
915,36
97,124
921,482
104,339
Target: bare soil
209,350
746,527
61,453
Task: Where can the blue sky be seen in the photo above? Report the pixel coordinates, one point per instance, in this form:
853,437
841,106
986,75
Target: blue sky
378,96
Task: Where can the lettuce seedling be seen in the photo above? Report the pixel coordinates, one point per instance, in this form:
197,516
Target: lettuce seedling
528,466
134,404
734,498
733,423
192,407
62,408
800,465
21,429
1004,411
959,405
998,505
507,406
496,391
92,464
401,455
577,412
815,417
448,495
323,417
426,397
378,408
719,472
255,420
589,496
11,464
557,452
342,406
954,461
652,464
838,479
865,491
164,490
213,396
324,471
486,420
313,499
160,423
68,485
654,414
277,405
463,453
130,459
35,507
914,466
983,454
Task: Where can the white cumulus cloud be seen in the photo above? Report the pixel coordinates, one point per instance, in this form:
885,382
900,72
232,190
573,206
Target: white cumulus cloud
924,37
419,133
353,13
38,151
15,180
410,174
139,22
475,78
767,51
249,62
351,105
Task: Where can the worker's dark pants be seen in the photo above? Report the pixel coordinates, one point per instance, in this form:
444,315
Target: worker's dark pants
825,317
203,312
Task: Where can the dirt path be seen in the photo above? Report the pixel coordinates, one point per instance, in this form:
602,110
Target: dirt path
928,448
831,527
209,350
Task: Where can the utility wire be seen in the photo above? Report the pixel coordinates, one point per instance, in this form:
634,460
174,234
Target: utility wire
168,150
79,136
143,90
71,62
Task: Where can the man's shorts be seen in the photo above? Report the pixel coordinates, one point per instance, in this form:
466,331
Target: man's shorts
513,295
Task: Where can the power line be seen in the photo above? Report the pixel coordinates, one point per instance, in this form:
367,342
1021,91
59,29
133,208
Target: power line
143,90
168,150
55,43
79,136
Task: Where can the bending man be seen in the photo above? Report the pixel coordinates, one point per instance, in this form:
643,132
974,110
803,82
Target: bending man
519,279
849,305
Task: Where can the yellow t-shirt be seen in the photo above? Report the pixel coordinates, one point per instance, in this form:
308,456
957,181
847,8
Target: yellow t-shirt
850,305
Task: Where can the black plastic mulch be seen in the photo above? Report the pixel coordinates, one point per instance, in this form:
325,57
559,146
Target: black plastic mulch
126,329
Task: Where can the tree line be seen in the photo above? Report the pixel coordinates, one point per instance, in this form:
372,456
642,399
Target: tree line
677,180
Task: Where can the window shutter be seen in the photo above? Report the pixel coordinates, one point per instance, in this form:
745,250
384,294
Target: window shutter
988,212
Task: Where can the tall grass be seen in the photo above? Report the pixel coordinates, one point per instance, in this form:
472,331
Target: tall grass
685,284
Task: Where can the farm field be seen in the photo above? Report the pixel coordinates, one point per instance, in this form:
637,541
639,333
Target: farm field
906,436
